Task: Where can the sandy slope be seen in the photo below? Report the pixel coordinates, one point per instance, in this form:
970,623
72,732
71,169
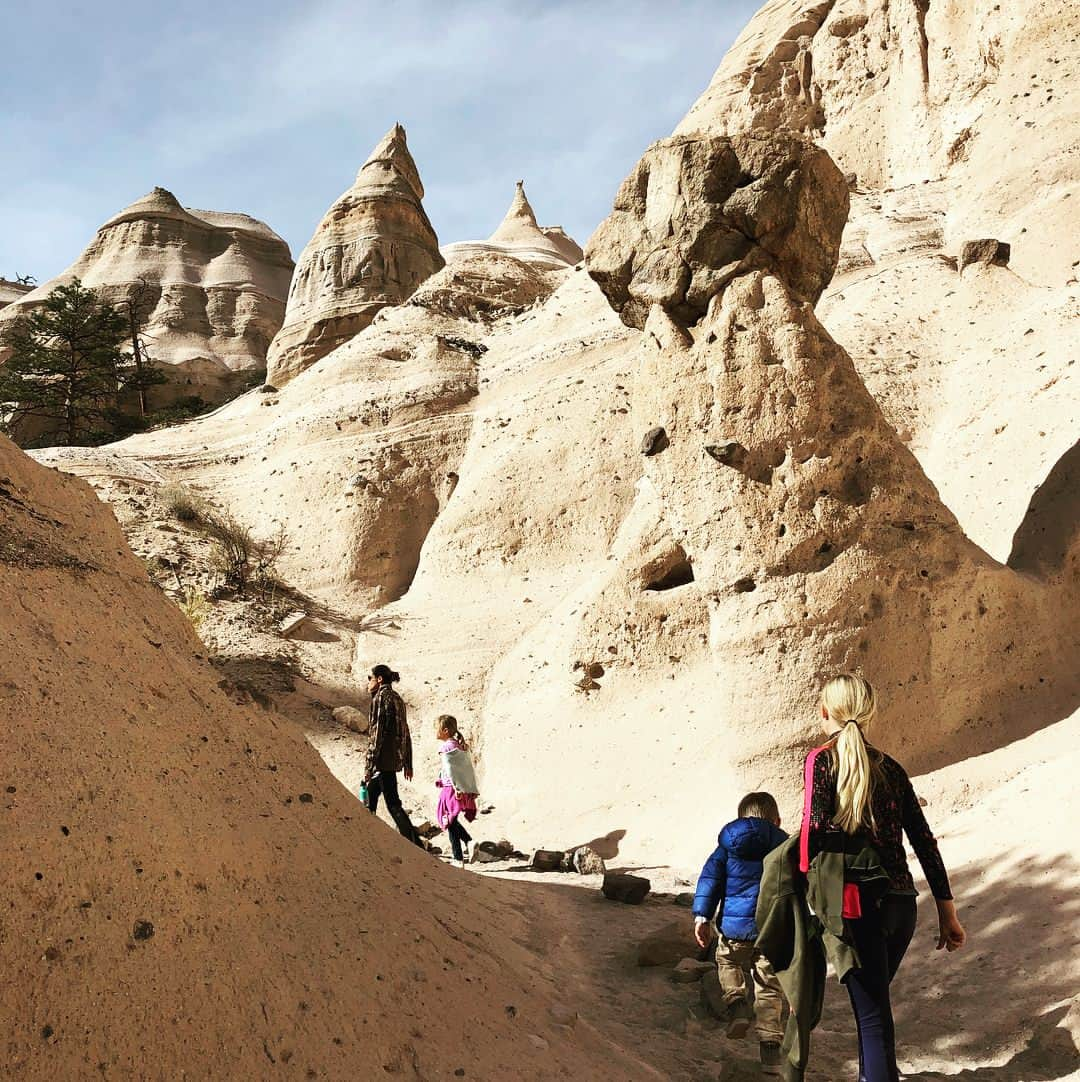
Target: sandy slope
190,893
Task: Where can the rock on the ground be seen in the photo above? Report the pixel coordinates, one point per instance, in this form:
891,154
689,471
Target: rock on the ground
548,860
996,252
587,861
688,970
667,945
352,718
623,887
487,852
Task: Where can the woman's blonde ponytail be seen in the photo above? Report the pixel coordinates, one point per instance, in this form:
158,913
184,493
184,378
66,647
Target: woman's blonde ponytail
851,704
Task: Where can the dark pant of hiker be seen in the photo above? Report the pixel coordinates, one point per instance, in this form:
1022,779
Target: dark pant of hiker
458,834
385,784
881,937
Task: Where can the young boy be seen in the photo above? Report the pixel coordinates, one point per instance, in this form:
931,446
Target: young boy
727,892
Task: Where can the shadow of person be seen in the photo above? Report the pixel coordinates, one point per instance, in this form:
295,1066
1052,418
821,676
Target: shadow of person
994,1008
1049,1051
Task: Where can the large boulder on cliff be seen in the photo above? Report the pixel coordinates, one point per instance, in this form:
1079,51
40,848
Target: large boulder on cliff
212,287
950,117
814,537
374,246
696,213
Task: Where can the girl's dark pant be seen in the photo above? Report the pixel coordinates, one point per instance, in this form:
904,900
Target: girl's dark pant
881,937
458,834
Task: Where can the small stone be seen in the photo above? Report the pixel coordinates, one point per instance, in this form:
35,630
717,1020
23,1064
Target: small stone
654,441
143,930
547,860
267,388
666,945
587,861
562,1015
685,899
622,887
689,970
989,251
487,853
306,798
538,1041
726,453
354,720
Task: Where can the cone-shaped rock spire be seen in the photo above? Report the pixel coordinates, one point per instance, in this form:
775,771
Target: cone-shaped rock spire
518,235
374,246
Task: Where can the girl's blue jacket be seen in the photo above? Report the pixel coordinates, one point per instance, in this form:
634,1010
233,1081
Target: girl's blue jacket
727,888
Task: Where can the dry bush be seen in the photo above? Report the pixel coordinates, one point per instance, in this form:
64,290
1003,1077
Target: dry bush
240,559
182,503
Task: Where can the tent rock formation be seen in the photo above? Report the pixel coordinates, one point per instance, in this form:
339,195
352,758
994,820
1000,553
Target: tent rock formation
546,247
216,281
373,247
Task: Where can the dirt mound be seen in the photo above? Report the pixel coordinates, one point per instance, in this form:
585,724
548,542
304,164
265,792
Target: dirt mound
190,893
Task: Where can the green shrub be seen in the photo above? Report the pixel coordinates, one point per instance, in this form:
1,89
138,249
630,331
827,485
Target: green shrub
195,606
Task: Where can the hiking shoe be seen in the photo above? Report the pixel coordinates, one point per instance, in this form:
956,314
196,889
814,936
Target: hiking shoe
738,1015
769,1052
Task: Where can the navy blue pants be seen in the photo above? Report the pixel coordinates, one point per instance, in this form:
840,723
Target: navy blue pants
881,937
458,834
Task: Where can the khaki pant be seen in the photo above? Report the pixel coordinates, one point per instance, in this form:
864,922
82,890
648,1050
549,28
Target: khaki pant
733,959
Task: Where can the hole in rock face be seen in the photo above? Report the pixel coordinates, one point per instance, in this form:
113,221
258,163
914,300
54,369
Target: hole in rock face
744,586
678,574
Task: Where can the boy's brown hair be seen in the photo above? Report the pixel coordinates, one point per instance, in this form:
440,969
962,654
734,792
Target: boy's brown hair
759,806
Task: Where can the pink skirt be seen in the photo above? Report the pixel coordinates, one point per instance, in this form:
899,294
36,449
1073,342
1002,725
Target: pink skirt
452,804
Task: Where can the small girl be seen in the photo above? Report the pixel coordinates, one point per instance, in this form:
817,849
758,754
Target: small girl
457,786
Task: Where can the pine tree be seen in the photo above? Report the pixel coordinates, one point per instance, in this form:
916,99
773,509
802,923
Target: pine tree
65,366
139,372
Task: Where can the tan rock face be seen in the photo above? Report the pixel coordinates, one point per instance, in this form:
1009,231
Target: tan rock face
812,533
216,290
695,213
373,247
547,247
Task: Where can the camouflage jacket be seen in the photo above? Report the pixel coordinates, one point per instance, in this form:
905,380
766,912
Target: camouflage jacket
390,747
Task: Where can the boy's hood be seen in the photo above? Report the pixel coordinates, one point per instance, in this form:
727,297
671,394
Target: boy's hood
751,838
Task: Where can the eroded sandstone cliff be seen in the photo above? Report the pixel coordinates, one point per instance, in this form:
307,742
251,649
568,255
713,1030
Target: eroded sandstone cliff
373,248
211,287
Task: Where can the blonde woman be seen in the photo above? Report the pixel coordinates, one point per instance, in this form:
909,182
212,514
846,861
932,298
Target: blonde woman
854,789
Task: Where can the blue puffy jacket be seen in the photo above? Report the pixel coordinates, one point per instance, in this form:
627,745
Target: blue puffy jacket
731,877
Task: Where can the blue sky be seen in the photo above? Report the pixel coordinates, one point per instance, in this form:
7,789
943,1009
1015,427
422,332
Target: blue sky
270,108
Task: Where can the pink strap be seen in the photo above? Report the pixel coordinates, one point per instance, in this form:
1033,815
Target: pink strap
852,907
808,795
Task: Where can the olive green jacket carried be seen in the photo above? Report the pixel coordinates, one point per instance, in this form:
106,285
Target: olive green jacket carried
801,927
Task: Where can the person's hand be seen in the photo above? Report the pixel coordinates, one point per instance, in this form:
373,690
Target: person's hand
951,934
703,933
408,774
